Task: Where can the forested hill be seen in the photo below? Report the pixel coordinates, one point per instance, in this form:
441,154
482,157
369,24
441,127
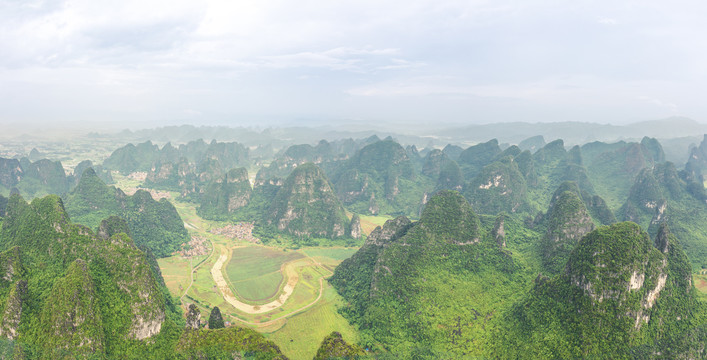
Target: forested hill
621,295
149,157
32,179
70,293
153,224
307,206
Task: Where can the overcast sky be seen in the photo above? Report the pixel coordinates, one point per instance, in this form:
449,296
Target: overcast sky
281,62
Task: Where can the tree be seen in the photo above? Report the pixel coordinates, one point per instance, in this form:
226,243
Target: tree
215,319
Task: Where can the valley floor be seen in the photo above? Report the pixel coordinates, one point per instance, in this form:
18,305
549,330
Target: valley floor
288,289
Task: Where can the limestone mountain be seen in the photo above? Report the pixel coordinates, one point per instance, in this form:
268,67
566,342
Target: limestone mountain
568,221
80,294
450,177
215,319
533,143
438,166
306,206
475,157
453,151
32,179
322,155
130,158
618,295
613,167
354,276
697,162
380,178
68,293
153,224
192,166
226,343
599,211
82,166
433,163
499,186
661,195
424,289
10,172
144,156
226,195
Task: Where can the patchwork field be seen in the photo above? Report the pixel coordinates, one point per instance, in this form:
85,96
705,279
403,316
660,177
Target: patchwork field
255,272
257,275
176,273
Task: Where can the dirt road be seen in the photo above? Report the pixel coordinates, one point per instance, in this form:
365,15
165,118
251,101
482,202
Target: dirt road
217,275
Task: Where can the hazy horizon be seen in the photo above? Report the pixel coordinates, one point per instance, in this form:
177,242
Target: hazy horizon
276,63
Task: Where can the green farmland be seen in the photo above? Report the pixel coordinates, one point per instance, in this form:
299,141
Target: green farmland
255,272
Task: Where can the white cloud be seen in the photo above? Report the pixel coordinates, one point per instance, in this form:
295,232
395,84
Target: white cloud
607,21
155,56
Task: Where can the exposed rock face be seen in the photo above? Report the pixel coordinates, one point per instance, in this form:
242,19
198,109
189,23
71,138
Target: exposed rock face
307,206
227,194
568,222
13,310
147,307
193,318
10,265
392,229
355,227
498,187
334,347
617,278
402,268
10,172
612,252
697,162
498,232
434,162
71,316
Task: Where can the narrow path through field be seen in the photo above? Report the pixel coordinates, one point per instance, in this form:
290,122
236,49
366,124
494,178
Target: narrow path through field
217,275
193,269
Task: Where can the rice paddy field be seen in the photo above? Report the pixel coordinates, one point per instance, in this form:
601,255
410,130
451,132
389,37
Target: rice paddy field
255,272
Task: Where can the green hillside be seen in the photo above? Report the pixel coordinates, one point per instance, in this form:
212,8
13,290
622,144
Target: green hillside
153,224
620,296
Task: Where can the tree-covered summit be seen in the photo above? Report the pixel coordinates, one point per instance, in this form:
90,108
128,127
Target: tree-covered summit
153,224
306,205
